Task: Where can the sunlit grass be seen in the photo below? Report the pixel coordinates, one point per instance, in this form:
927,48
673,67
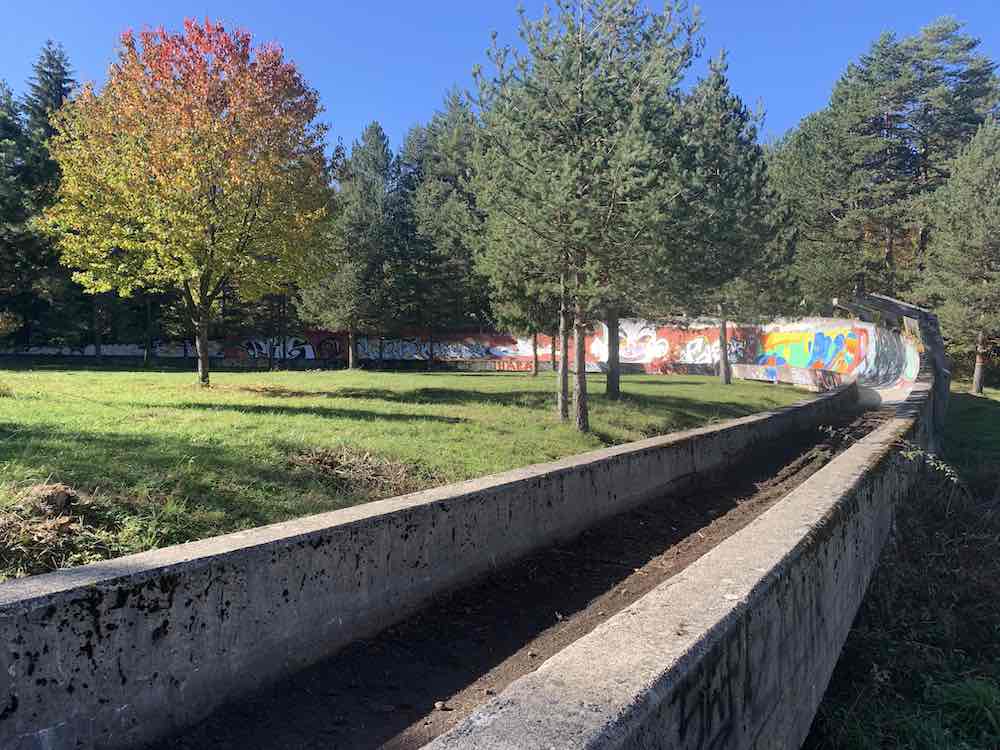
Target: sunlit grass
167,461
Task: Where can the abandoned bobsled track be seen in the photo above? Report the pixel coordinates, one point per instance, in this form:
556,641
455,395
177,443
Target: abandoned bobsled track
725,635
471,644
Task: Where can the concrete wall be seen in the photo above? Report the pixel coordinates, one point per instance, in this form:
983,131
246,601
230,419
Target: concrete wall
737,650
128,650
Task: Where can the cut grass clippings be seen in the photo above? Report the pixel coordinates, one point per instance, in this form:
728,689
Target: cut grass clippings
158,460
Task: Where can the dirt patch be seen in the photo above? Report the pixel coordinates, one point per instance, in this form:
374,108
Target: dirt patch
49,499
419,678
351,471
51,527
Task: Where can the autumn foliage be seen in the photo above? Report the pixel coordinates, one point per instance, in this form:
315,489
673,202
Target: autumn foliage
199,166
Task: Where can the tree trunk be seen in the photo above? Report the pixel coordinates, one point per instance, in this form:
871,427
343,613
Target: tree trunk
381,352
580,366
201,344
534,354
552,342
725,374
614,387
980,371
147,351
352,351
95,326
563,397
430,351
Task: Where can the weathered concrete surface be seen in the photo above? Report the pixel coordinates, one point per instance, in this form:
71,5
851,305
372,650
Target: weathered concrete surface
126,651
817,381
736,651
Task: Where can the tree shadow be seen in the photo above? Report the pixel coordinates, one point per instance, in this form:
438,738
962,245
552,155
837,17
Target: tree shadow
327,412
135,473
451,396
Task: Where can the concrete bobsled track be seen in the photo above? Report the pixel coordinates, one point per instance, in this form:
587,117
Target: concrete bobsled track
735,651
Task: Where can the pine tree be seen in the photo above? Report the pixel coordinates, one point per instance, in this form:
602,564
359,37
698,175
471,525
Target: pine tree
16,242
35,290
963,272
732,212
445,213
346,281
859,173
48,89
577,144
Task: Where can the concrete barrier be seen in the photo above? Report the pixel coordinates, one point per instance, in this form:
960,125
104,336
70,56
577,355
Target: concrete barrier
736,651
126,651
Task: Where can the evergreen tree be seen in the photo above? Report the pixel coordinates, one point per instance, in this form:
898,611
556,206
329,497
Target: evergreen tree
35,290
346,285
48,89
578,136
444,208
15,209
732,212
859,174
963,274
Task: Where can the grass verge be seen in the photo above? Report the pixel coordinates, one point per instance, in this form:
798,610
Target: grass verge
158,460
921,666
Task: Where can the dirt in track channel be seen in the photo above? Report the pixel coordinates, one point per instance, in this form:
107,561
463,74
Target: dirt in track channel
417,679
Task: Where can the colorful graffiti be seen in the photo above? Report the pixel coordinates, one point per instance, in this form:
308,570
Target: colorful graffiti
839,349
776,352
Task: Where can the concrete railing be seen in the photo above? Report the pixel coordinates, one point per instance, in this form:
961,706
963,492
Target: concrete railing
735,651
126,651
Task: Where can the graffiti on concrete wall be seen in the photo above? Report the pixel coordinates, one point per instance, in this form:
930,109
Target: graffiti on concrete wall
289,347
474,347
837,349
847,349
163,349
639,342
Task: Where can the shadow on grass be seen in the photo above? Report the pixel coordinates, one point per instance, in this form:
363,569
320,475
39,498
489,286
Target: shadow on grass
127,469
972,441
327,412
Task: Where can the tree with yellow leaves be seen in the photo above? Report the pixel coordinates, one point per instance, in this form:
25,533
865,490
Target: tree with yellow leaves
198,167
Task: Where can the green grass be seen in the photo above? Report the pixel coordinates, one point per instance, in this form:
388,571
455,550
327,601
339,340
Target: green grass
160,460
921,667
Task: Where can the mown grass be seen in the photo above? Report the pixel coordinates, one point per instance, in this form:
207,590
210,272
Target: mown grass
159,460
921,667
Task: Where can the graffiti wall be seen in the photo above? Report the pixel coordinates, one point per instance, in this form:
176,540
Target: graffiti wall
818,352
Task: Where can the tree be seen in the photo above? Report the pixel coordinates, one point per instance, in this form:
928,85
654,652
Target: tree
445,213
859,173
577,141
198,166
346,282
732,212
35,290
963,278
16,242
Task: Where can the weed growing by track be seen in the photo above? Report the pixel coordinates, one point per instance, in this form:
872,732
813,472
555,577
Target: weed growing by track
921,667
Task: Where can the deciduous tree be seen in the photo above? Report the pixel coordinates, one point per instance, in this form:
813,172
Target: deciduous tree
199,166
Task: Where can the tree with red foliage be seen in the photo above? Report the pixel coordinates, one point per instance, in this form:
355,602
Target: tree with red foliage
199,167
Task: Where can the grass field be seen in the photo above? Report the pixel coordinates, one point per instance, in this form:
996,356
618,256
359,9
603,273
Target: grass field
159,460
921,667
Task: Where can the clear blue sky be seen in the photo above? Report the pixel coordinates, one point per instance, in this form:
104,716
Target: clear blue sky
393,60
